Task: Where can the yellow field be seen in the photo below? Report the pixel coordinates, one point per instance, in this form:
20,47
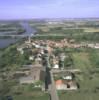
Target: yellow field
91,30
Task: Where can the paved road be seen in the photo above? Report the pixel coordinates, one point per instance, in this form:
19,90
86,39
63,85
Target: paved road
66,70
52,88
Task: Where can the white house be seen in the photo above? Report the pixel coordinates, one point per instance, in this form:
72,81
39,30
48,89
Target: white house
56,66
31,58
20,49
69,77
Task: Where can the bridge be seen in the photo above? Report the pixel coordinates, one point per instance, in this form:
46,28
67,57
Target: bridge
22,35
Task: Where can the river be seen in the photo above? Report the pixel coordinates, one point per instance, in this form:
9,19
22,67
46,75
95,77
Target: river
8,41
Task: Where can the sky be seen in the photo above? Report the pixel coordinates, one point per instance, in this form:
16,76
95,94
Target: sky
29,9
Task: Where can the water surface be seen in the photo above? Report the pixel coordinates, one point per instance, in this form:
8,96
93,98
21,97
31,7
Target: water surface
29,31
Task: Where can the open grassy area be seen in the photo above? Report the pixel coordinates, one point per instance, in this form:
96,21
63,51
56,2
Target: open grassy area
28,92
23,97
88,62
81,61
84,95
32,96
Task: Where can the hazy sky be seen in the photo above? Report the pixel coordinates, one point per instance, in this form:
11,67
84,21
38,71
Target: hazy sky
19,9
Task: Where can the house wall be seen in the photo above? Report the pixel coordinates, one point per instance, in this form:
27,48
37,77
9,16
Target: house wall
64,87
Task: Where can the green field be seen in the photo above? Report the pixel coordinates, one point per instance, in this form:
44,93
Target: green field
78,30
84,95
27,92
88,61
81,60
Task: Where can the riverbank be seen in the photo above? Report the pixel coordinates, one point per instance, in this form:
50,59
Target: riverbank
6,40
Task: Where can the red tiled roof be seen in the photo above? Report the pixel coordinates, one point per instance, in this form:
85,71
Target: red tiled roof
59,82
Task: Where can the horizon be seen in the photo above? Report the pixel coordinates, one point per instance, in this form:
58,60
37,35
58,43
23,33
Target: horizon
60,18
50,18
48,9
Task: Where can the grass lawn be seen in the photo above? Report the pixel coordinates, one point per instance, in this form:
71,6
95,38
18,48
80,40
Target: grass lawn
72,95
27,92
81,61
88,79
94,57
31,97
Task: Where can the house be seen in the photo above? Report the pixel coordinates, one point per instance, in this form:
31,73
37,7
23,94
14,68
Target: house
69,77
97,46
37,46
65,85
55,62
26,80
20,49
91,45
56,66
31,58
37,73
38,60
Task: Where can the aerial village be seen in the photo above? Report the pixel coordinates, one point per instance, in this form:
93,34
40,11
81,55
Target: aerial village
59,61
43,57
